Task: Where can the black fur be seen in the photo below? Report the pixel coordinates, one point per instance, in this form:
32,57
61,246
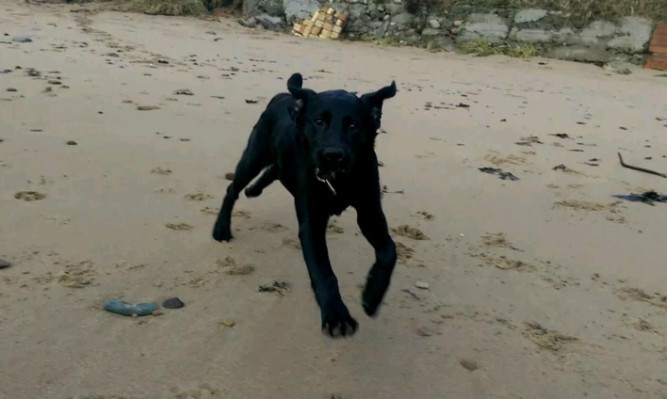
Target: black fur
321,148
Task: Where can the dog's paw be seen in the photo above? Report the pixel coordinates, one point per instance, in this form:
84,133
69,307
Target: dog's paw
253,192
222,233
337,322
376,286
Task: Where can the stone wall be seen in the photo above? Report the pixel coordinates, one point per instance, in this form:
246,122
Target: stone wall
419,23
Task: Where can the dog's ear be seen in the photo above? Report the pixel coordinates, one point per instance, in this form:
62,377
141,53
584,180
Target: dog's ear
376,99
294,85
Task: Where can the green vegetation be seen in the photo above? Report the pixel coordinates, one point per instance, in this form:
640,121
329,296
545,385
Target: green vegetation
484,48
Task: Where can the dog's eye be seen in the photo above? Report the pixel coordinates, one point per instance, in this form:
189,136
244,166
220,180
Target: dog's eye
353,126
318,121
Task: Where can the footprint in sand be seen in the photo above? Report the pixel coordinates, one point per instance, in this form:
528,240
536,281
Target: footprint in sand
292,243
210,211
403,252
179,226
233,269
161,171
544,338
29,196
199,196
78,275
409,232
424,215
333,228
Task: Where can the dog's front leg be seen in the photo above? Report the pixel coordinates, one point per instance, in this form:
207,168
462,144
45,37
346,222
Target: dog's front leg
336,317
373,225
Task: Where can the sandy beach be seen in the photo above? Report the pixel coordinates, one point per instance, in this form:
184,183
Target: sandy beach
117,131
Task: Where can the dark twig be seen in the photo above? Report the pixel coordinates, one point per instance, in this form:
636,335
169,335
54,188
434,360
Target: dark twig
652,172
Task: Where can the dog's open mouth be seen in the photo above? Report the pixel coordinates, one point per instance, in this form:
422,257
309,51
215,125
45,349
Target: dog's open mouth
324,176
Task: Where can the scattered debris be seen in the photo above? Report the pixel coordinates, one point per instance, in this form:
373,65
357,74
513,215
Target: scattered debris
501,174
248,101
184,92
652,172
649,197
173,303
424,332
412,294
4,264
385,190
229,176
468,364
529,141
422,285
279,287
561,135
147,107
130,309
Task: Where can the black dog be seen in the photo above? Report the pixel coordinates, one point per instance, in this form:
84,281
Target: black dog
321,148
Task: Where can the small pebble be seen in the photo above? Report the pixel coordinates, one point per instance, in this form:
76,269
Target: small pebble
71,142
469,364
54,82
173,303
424,332
21,39
12,90
229,176
228,322
4,264
147,107
184,92
422,285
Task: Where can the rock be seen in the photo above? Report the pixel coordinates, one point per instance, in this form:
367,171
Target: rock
489,27
394,8
566,36
184,92
529,15
71,142
469,364
21,39
11,90
430,32
531,35
457,24
580,53
636,35
173,303
422,285
54,82
147,107
403,20
4,264
619,67
268,22
129,309
597,30
300,9
433,23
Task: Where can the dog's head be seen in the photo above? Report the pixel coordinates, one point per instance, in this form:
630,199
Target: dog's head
336,126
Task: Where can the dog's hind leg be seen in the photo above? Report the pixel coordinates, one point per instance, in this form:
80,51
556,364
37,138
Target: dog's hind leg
373,225
255,158
269,175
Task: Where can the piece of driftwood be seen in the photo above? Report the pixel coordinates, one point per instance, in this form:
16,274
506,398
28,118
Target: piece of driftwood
637,168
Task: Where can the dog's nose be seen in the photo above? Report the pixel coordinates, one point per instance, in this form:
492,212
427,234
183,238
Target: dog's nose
332,156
